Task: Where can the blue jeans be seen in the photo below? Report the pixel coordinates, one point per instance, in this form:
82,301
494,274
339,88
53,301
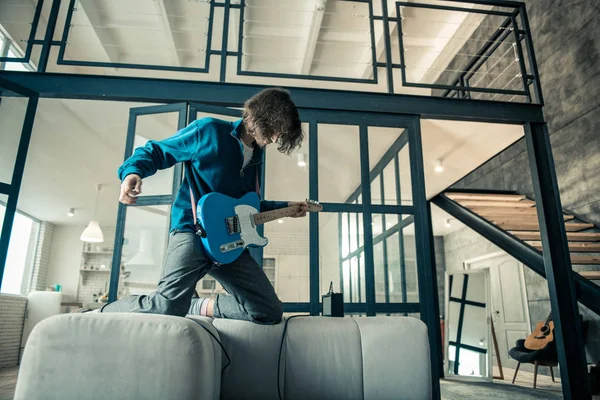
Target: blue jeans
250,295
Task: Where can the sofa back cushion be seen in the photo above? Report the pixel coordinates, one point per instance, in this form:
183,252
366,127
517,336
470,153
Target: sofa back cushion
333,358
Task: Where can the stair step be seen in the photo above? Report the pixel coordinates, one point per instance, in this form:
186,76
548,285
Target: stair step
574,247
585,260
574,236
529,226
593,275
509,219
499,204
484,196
504,211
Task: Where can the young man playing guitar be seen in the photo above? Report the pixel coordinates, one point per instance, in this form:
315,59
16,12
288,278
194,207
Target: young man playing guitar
223,157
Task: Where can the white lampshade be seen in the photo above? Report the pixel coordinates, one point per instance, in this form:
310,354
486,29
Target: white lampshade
92,233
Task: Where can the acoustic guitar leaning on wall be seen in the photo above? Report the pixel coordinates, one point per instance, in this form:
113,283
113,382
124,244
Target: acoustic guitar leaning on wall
541,335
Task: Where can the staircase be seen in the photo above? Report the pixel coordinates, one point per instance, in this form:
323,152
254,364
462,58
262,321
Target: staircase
509,220
517,215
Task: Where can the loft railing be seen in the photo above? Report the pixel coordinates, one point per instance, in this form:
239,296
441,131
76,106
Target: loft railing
480,49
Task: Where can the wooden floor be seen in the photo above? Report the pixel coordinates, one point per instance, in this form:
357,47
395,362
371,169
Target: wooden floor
525,379
8,382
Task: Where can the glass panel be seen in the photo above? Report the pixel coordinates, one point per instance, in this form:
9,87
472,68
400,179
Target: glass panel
360,230
16,18
12,117
287,176
286,258
15,66
457,286
336,262
410,254
21,249
156,127
376,190
475,324
394,268
384,148
379,260
387,243
475,290
275,38
166,33
339,157
471,363
453,313
146,239
3,201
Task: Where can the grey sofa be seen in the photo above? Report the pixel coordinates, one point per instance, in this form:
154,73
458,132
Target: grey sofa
134,356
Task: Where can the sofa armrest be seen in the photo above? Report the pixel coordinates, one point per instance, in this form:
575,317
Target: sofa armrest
110,356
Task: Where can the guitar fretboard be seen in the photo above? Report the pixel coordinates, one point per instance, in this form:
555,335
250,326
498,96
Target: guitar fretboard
268,216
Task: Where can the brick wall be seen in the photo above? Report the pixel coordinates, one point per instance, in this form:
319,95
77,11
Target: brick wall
42,257
92,282
12,315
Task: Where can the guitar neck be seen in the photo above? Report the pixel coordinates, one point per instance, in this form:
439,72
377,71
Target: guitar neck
268,216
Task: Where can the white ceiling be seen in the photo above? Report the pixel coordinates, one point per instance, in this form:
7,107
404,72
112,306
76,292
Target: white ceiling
77,144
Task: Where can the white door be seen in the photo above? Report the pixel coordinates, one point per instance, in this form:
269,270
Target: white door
509,308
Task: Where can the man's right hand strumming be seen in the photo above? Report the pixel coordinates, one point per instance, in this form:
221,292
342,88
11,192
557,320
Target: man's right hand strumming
131,188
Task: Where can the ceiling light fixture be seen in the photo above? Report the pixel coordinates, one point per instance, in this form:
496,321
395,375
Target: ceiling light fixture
71,212
92,232
447,223
438,166
280,221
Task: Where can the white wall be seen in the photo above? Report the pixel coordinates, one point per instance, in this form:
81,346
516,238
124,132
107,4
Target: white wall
65,258
291,251
329,253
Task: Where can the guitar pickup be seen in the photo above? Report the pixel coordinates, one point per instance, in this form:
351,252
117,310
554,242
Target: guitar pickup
233,225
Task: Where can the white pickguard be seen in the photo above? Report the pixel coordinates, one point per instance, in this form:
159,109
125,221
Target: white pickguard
248,231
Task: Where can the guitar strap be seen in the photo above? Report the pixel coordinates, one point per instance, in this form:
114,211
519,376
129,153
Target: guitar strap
197,227
257,185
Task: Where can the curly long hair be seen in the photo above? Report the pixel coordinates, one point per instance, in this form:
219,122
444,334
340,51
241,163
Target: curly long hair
272,112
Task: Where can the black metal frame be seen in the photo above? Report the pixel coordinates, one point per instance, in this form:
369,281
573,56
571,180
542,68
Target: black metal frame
341,107
460,86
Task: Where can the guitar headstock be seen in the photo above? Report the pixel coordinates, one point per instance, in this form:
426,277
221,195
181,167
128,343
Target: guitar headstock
313,206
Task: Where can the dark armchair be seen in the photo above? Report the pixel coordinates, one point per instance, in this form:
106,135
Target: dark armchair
545,357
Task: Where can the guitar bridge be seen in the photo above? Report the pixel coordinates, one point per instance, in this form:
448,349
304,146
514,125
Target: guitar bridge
232,246
233,225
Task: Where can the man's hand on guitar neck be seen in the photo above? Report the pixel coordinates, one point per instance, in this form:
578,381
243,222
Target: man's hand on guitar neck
131,188
302,210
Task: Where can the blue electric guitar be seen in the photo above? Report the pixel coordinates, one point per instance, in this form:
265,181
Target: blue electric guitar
229,224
